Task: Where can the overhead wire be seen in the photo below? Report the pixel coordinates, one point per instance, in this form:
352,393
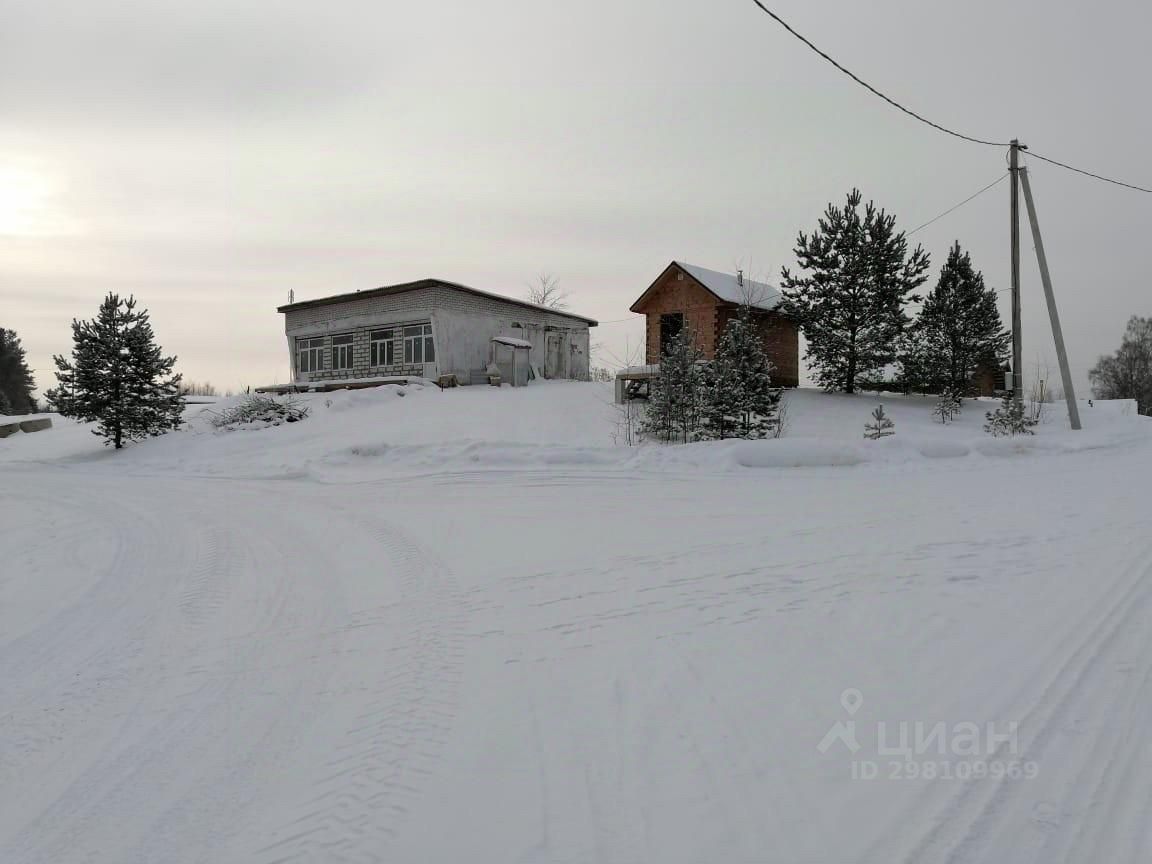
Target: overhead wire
955,207
872,89
763,8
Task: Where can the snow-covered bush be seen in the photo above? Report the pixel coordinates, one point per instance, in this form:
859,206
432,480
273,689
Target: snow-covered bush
880,426
259,411
1009,419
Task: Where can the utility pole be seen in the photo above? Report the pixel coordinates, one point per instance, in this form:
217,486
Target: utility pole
1046,278
1014,206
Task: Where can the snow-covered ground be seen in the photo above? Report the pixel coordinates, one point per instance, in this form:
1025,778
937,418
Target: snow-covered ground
471,625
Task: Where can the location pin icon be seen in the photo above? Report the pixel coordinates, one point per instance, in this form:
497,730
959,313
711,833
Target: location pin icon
851,699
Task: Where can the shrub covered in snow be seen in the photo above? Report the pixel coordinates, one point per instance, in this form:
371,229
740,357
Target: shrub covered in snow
259,411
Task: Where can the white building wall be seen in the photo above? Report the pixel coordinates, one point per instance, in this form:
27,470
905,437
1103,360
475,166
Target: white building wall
463,325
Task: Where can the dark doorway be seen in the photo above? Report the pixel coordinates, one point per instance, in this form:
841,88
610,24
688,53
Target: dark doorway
671,325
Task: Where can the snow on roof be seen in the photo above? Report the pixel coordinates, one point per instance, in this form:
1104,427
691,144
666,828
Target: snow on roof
388,290
727,287
513,341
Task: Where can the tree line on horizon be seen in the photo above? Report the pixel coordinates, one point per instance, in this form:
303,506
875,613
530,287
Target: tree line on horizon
854,280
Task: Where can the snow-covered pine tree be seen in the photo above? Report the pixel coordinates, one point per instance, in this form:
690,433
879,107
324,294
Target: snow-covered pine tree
857,275
947,407
676,395
16,382
5,405
1009,419
740,401
880,426
959,328
941,410
118,376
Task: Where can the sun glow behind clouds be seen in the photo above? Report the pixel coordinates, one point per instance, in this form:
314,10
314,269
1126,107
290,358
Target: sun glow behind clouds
28,205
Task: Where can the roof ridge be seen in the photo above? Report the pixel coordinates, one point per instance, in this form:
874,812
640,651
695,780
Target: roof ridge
428,282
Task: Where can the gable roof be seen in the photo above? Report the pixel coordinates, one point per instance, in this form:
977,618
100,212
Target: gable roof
402,287
725,287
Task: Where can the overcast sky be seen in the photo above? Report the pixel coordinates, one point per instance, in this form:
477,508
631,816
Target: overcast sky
211,156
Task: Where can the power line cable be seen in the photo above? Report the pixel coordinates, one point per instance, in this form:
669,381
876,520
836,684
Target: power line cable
925,120
1036,155
632,317
958,206
872,89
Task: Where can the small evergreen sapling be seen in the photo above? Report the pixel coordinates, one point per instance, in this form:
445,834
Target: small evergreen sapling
1009,419
947,407
880,426
740,401
117,376
676,395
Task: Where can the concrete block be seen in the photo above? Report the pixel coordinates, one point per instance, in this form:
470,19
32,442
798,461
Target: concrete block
37,425
7,429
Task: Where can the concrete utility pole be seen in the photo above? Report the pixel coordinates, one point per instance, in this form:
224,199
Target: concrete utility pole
1014,206
1045,277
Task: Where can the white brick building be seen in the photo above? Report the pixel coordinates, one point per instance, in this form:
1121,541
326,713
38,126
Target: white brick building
428,328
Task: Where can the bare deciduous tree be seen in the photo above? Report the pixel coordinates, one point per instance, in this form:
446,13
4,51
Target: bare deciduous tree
1127,374
545,291
198,388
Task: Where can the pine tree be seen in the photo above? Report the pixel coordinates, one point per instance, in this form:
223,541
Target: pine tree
849,302
5,405
16,382
676,395
740,401
880,426
118,377
1009,419
947,407
958,329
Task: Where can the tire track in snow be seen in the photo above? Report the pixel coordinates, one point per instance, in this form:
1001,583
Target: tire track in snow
81,659
394,740
166,751
207,589
957,833
1111,767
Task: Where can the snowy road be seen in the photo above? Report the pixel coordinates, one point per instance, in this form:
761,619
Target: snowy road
450,667
206,655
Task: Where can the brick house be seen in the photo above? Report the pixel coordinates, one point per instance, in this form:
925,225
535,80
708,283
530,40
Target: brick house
430,328
700,301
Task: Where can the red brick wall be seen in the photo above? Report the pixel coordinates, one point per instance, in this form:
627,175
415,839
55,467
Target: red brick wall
697,305
706,317
781,340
